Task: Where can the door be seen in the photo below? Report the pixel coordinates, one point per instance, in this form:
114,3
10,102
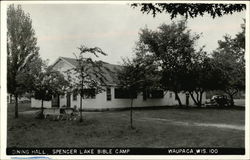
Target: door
55,101
68,100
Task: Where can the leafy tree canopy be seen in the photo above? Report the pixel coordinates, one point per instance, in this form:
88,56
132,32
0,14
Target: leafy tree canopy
181,67
189,9
48,83
230,60
138,74
21,45
88,74
172,46
21,49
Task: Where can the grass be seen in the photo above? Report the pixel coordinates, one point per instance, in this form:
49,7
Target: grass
111,129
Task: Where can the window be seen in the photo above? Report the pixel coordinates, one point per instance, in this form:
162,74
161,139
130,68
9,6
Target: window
153,94
108,93
170,95
121,93
62,96
75,96
89,93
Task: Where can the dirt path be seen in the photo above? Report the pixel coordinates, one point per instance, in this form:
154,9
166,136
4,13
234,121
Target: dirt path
182,123
218,125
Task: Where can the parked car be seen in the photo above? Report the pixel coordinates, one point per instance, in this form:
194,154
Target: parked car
218,100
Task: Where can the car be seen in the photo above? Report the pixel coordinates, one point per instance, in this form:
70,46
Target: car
218,100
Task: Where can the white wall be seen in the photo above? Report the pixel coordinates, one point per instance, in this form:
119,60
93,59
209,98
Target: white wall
63,100
37,103
100,101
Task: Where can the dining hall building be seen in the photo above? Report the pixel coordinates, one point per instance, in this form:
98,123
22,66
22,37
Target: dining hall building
112,97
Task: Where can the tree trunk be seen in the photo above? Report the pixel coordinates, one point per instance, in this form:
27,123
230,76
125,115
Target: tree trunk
131,114
81,119
16,106
231,99
178,98
192,96
187,100
42,109
200,99
231,96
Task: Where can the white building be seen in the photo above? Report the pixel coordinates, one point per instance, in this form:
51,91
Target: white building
112,97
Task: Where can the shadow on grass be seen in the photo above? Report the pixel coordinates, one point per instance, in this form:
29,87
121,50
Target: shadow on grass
182,108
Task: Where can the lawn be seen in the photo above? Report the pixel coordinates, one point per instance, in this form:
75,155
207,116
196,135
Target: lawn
169,127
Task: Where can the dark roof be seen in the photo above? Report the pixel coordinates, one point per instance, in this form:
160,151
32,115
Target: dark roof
110,75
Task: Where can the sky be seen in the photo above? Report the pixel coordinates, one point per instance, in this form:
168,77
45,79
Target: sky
62,28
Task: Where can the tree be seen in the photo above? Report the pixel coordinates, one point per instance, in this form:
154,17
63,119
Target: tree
189,10
21,49
239,44
202,75
173,47
229,58
88,75
47,83
135,76
27,76
130,78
